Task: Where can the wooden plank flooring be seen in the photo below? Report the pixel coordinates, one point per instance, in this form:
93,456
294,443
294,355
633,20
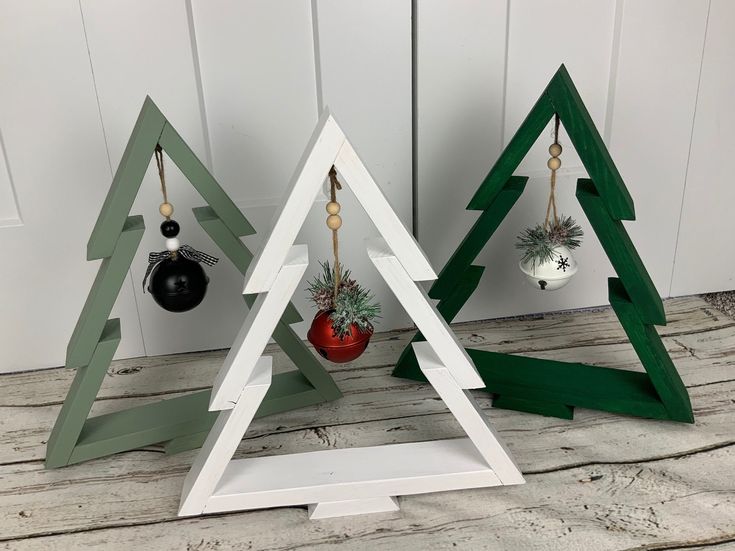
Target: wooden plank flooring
599,482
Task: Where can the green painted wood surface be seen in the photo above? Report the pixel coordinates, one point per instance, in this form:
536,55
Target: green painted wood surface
126,182
560,97
652,353
115,239
622,254
182,422
554,388
478,236
143,425
614,390
110,277
204,182
80,397
549,409
589,145
519,145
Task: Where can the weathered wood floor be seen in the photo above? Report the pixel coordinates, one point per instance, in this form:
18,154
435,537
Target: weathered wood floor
598,482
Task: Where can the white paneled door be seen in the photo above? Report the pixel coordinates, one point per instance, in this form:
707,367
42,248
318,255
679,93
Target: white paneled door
244,83
55,153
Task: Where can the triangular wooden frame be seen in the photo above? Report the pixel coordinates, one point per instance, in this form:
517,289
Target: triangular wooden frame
344,481
545,386
181,422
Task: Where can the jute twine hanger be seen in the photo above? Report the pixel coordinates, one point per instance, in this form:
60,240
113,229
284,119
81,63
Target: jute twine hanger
334,186
551,206
162,177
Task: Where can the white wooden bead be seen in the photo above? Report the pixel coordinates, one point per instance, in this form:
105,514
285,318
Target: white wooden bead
554,163
172,244
555,149
166,209
333,207
334,221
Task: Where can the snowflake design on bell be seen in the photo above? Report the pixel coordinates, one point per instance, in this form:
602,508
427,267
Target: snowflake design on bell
562,263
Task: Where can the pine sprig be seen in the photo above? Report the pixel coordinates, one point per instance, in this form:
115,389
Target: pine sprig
356,307
353,305
537,243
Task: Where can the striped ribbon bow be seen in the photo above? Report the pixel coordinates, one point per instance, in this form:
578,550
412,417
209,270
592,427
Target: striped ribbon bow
190,253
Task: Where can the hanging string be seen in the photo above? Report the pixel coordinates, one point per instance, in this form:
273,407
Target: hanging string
334,186
551,206
161,174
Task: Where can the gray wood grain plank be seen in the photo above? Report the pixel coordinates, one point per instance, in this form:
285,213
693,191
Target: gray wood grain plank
617,481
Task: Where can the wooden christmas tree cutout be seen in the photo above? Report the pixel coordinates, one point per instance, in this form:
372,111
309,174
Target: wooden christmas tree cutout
182,422
343,481
551,387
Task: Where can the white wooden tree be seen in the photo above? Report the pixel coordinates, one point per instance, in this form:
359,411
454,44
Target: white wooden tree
353,480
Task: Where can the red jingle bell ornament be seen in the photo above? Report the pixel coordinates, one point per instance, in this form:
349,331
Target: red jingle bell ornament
343,326
333,347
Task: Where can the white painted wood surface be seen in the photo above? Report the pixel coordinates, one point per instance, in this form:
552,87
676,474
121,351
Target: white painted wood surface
351,473
329,146
257,329
351,507
469,415
358,475
424,314
600,481
223,439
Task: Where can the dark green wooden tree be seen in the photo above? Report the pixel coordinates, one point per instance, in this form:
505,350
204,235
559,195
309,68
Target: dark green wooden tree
551,387
182,422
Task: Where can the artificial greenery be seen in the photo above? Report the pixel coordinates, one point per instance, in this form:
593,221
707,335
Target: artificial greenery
537,243
353,304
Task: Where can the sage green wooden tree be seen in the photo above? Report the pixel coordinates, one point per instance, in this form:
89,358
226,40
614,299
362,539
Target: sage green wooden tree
551,387
182,422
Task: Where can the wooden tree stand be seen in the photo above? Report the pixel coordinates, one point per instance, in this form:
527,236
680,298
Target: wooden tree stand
182,422
343,481
551,387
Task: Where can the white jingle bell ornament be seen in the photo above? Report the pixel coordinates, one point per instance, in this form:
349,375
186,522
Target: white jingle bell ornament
547,260
552,274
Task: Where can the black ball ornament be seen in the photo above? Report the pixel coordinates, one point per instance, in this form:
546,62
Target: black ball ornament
170,228
178,284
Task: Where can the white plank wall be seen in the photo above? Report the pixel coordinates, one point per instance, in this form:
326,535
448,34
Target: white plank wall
139,48
257,67
365,67
9,213
259,82
460,95
651,114
243,82
55,147
703,258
